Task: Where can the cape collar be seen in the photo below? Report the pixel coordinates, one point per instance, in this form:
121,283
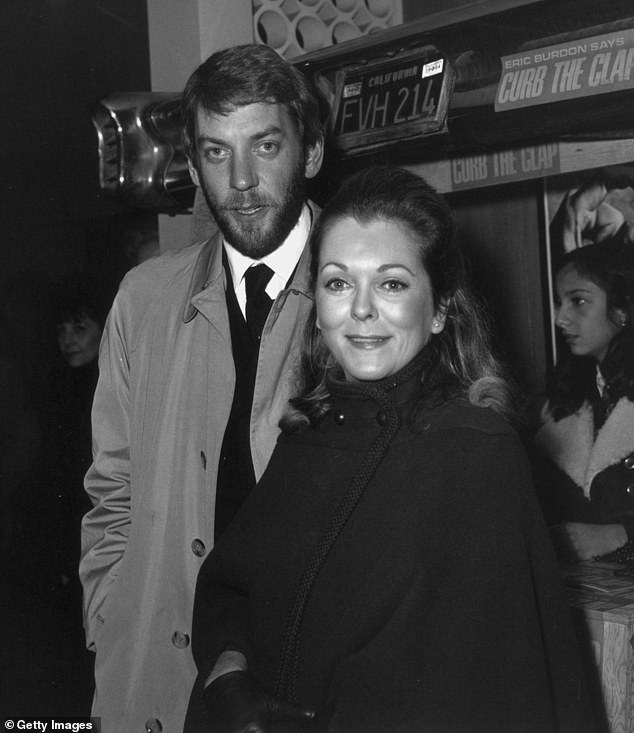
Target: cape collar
400,390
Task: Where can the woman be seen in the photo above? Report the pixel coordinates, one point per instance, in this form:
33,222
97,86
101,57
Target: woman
81,312
587,432
391,571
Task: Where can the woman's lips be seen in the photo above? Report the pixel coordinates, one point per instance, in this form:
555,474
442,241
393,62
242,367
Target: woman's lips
367,342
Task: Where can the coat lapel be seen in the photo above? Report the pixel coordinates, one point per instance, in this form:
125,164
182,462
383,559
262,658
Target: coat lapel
207,288
615,440
570,442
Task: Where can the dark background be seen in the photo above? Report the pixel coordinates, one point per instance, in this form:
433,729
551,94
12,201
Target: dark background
58,57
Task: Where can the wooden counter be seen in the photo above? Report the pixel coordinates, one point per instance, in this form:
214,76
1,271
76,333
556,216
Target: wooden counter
603,609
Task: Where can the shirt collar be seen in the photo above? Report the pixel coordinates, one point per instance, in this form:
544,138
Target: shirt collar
208,268
282,261
600,381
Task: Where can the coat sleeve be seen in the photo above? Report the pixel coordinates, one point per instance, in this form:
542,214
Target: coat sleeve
221,618
105,528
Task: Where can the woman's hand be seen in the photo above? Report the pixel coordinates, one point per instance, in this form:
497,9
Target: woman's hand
235,703
576,541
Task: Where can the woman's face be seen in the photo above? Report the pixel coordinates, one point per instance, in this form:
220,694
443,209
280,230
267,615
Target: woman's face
79,340
375,306
581,312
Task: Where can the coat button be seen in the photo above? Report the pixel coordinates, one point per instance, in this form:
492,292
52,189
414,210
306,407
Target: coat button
180,640
381,418
340,418
153,725
629,463
629,489
198,548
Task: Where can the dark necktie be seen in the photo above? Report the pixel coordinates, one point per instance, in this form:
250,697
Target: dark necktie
258,302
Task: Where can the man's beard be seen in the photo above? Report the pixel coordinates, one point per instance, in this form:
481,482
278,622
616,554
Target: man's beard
254,241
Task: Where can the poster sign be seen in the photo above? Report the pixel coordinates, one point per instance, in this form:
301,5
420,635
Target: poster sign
390,100
579,68
504,166
606,195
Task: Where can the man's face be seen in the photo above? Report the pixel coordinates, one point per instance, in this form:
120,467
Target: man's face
251,166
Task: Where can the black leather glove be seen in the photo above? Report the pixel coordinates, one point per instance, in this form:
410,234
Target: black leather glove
235,703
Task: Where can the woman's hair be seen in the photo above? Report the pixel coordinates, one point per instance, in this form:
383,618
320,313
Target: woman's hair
80,296
249,74
610,266
460,357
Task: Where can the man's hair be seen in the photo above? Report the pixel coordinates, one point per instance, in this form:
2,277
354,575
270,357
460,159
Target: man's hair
250,74
461,355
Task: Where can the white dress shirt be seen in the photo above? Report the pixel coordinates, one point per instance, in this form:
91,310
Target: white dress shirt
282,261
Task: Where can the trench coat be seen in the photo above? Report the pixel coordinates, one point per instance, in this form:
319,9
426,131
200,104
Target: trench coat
438,608
160,410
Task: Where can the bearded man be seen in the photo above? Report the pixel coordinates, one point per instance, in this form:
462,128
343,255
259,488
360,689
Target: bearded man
198,360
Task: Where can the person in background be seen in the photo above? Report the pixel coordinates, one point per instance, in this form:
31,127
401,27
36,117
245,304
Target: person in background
81,315
45,663
81,312
196,366
585,466
392,571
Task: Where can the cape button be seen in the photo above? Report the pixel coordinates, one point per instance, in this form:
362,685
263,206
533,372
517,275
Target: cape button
629,463
153,725
340,418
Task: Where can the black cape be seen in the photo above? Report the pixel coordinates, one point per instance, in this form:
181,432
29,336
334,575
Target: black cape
439,606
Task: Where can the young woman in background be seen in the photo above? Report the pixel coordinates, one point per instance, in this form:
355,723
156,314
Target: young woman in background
586,482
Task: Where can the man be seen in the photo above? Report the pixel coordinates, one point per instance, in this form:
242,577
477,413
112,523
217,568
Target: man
189,394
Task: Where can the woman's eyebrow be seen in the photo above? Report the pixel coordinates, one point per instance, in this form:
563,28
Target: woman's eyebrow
391,266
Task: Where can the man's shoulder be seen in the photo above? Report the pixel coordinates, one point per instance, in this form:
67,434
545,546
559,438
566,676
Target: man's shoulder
167,275
165,266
